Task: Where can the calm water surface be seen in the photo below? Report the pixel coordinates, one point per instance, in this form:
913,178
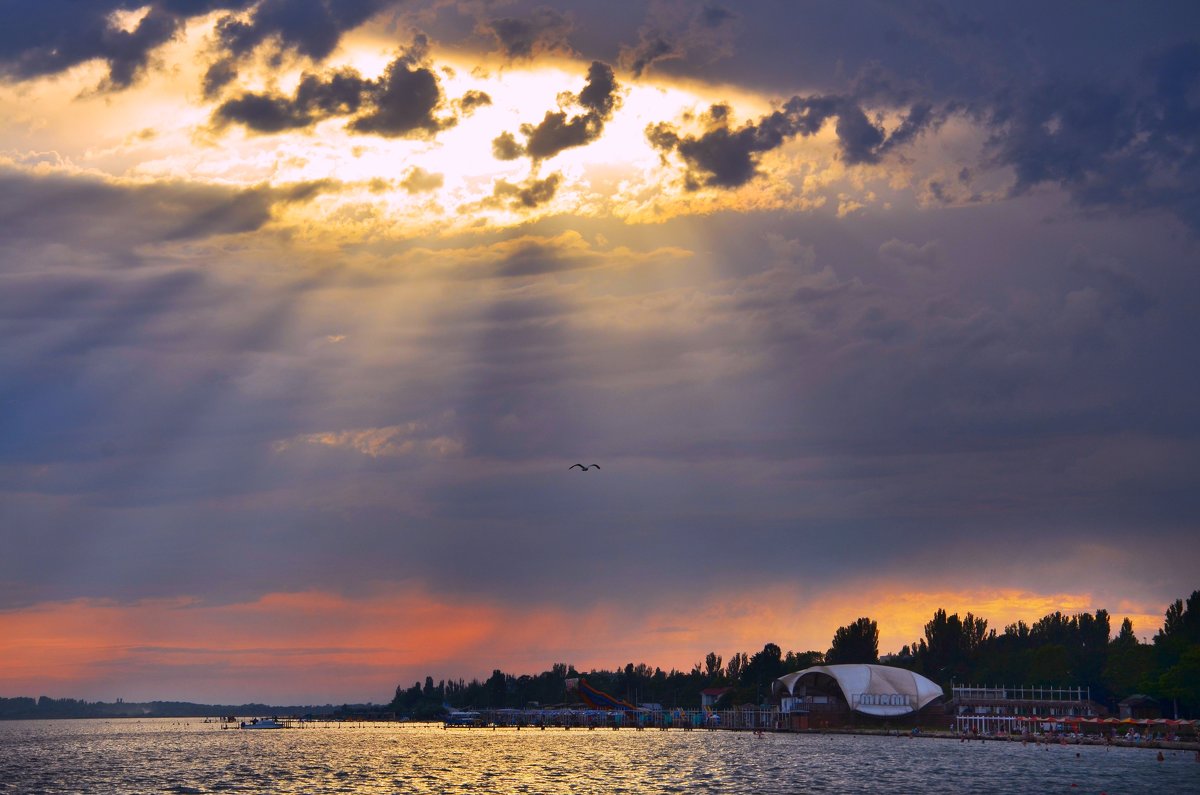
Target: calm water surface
177,756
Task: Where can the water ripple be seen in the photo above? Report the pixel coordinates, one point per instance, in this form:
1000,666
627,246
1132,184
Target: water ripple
173,756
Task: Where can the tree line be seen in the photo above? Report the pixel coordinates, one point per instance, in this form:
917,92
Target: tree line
27,708
1058,650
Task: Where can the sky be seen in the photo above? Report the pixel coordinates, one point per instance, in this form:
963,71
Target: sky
863,309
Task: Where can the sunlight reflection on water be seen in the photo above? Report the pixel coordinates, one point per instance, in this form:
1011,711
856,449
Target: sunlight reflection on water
189,756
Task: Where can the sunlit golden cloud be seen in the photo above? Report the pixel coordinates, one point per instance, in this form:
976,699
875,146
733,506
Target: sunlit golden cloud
412,438
397,187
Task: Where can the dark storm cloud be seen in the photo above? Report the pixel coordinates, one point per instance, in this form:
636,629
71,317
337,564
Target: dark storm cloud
725,157
558,131
505,147
529,193
1132,147
311,28
244,211
317,97
706,32
217,76
472,100
401,102
48,37
108,216
920,116
543,31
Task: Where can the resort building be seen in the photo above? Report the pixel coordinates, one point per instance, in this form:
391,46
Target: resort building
992,710
829,695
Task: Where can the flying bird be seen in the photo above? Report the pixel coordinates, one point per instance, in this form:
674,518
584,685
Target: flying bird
584,467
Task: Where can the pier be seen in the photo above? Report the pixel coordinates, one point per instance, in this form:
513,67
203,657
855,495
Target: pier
662,720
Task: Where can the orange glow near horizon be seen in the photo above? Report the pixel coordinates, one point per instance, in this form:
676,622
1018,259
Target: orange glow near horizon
317,647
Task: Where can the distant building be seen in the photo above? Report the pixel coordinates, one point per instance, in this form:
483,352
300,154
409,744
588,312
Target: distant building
827,695
1004,709
1139,706
711,695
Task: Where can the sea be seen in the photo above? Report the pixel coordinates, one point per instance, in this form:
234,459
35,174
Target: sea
191,756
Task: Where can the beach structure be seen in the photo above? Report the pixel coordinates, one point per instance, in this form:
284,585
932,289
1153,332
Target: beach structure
829,695
996,710
595,698
1139,705
709,696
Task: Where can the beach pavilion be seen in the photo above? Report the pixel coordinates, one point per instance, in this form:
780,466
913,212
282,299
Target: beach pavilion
877,690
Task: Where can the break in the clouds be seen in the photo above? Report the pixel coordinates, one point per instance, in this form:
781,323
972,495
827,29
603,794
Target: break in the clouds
845,300
558,130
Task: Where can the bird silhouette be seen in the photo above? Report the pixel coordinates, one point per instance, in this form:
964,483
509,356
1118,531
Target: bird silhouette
584,467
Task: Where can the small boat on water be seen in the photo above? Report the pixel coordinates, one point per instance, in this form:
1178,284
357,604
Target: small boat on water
263,723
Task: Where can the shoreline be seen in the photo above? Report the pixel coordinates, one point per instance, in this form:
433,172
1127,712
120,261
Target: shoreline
941,734
933,734
1192,745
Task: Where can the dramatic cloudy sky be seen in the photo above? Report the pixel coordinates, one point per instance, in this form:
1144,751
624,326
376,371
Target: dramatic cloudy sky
307,306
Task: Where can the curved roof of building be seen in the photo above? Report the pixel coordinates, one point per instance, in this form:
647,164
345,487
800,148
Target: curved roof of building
870,689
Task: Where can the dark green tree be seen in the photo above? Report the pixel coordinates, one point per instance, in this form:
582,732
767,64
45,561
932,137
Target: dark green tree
951,646
763,668
1050,665
1181,629
735,666
799,660
1181,683
1130,664
855,643
497,689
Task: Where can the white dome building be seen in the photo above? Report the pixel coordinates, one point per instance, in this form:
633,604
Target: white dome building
879,690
